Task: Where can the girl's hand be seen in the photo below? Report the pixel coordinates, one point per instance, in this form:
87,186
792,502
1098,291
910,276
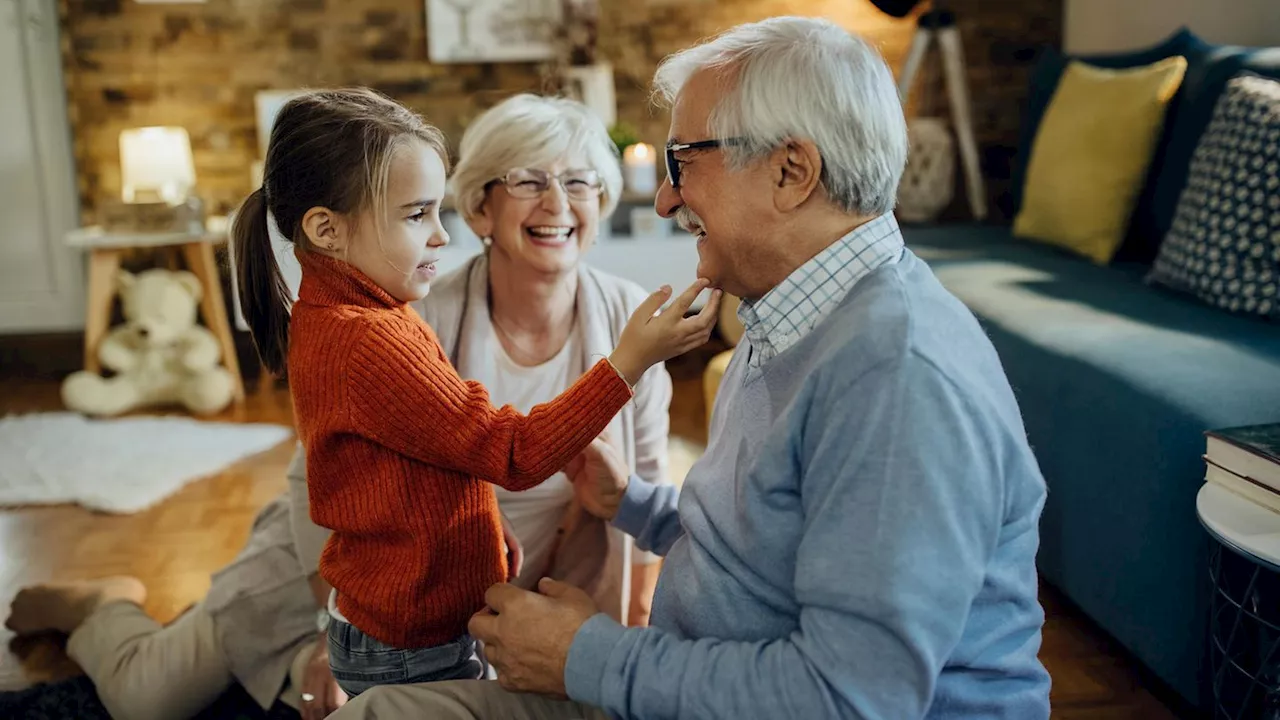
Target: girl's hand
653,335
320,692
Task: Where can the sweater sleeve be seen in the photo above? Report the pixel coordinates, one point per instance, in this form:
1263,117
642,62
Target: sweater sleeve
649,513
405,395
902,504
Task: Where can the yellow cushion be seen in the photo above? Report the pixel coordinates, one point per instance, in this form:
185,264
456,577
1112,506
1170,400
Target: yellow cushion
711,378
1091,154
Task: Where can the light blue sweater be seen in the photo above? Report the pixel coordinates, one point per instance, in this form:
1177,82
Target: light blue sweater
858,542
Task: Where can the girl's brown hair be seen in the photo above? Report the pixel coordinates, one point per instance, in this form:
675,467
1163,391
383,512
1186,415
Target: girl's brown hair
329,148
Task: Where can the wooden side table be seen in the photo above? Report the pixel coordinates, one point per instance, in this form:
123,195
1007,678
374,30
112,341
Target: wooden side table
105,252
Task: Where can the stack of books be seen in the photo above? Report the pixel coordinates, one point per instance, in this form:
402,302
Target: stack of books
1246,461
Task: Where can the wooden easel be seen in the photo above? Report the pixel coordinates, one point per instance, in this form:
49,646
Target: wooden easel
941,25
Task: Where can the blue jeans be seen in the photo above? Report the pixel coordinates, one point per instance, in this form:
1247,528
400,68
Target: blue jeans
360,662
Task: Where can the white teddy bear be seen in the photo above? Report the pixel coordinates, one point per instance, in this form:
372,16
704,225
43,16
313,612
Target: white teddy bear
160,355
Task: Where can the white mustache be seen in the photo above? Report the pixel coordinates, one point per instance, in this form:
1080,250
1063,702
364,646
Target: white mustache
688,219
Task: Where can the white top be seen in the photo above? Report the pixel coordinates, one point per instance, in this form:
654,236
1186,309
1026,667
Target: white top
1240,522
535,514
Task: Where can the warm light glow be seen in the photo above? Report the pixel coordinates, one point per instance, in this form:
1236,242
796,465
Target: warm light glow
156,165
639,170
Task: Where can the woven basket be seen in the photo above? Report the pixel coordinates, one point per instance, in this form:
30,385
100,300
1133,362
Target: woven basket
929,181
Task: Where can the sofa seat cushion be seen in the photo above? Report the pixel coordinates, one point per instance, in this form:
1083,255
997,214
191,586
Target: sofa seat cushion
1201,360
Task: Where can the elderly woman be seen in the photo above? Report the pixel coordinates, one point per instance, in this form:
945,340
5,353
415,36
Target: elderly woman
536,178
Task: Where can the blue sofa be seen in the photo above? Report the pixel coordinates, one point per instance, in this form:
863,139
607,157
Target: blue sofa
1117,380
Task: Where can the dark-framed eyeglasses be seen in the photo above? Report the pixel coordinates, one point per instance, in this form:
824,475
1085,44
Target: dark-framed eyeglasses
529,183
673,165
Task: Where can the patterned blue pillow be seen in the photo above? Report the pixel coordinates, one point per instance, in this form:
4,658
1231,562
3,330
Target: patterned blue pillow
1224,245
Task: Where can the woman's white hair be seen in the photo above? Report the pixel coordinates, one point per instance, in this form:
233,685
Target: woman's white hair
532,131
805,78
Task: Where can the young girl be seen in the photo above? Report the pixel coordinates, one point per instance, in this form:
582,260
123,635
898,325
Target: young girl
400,451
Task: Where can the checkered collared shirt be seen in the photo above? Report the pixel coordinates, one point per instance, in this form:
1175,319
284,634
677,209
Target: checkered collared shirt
789,311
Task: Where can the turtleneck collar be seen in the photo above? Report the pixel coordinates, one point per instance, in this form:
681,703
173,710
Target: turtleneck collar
328,281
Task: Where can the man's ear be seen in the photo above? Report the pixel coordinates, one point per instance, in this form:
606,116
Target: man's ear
796,171
325,229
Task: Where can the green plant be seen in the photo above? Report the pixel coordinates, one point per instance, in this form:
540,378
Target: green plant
623,135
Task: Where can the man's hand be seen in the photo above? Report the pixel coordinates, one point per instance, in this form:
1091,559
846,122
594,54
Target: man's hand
320,692
599,478
527,635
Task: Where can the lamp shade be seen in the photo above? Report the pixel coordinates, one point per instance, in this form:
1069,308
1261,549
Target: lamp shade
156,165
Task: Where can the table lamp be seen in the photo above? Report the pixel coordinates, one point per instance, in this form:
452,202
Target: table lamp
156,165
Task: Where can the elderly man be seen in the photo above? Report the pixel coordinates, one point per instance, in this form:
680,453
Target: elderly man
859,540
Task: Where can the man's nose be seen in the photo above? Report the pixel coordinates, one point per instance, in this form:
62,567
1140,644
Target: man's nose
668,200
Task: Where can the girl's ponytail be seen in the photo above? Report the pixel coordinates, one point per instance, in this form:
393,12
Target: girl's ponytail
264,297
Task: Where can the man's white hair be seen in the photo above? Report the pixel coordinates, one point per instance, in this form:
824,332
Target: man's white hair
532,131
808,78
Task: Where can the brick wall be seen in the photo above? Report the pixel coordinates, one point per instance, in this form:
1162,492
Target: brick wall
199,66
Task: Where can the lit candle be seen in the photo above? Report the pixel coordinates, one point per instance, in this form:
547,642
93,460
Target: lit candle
640,173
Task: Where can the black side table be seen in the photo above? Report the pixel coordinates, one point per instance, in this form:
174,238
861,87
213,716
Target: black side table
1244,627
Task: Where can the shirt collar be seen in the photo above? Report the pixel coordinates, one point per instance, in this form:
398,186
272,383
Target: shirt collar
788,312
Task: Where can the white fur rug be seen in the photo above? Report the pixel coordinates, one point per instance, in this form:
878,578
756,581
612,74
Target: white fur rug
119,465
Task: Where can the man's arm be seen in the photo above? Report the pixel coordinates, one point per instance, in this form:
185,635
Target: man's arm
902,501
649,514
652,452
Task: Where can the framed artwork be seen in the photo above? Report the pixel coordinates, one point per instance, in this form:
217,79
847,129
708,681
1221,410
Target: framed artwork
468,31
267,104
592,85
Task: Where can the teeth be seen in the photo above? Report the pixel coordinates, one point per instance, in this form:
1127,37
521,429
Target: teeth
549,231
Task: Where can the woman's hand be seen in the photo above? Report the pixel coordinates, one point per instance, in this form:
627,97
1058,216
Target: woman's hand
653,335
320,692
515,551
599,478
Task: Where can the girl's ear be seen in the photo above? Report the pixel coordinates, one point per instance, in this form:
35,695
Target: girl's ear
324,230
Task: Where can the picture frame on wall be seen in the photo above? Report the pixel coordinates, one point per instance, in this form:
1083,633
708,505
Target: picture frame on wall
592,85
267,104
470,31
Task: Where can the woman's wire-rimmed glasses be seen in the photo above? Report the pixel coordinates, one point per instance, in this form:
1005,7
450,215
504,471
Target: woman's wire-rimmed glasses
529,183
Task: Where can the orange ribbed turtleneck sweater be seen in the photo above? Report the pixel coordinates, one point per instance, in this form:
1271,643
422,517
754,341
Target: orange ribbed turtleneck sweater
399,449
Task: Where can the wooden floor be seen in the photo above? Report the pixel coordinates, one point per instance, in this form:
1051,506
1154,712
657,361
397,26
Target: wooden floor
174,547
